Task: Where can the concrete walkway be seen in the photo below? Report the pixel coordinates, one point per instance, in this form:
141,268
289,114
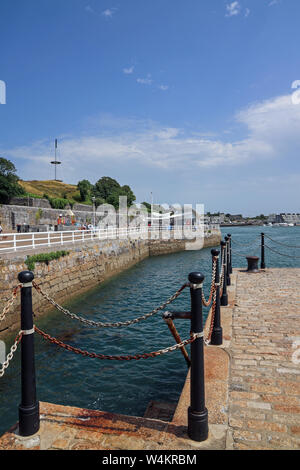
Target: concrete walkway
252,385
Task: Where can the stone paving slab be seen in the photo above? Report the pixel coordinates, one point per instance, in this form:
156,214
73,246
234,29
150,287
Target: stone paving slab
69,428
264,405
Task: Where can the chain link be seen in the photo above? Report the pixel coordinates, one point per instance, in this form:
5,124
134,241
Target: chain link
205,302
212,319
281,254
239,254
10,302
52,340
109,325
222,273
11,353
280,243
245,244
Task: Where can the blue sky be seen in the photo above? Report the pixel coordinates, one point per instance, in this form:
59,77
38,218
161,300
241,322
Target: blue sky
191,100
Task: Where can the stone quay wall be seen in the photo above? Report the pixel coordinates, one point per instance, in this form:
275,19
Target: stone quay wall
82,269
85,267
13,215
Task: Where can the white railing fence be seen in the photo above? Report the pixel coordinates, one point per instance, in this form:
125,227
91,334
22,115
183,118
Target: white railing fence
13,242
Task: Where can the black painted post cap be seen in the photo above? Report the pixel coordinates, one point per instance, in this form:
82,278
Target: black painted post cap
223,243
215,252
196,278
25,276
229,235
226,238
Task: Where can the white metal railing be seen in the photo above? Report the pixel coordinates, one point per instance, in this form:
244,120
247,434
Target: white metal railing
13,242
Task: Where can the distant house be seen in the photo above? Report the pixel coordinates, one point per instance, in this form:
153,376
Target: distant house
284,218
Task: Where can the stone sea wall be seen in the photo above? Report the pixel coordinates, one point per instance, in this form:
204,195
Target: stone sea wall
13,215
85,267
82,269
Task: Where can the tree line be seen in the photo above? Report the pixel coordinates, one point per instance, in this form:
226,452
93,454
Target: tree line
105,190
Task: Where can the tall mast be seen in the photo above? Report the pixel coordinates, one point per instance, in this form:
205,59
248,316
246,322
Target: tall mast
55,162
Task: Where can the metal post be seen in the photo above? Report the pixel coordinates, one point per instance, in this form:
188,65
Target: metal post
228,282
230,253
29,415
94,211
177,338
197,412
224,298
262,263
217,332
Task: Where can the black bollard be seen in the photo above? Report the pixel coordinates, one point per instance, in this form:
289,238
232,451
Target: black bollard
29,415
197,412
252,264
224,298
262,262
230,253
217,332
227,251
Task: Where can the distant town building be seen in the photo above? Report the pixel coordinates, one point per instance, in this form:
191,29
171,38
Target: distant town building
284,218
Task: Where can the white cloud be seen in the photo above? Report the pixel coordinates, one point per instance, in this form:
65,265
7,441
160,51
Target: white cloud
89,9
247,12
128,70
145,81
109,12
272,133
233,9
163,87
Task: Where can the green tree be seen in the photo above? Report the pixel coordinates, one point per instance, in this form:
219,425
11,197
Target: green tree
104,187
147,205
126,191
109,190
113,198
85,188
9,186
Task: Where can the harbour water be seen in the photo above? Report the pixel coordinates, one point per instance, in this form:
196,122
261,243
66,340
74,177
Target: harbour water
127,387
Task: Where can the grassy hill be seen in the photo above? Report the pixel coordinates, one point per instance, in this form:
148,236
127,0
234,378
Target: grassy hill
54,189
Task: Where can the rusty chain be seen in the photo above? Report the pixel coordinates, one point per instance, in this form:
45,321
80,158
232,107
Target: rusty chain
206,303
52,340
108,325
222,274
10,302
212,319
11,353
